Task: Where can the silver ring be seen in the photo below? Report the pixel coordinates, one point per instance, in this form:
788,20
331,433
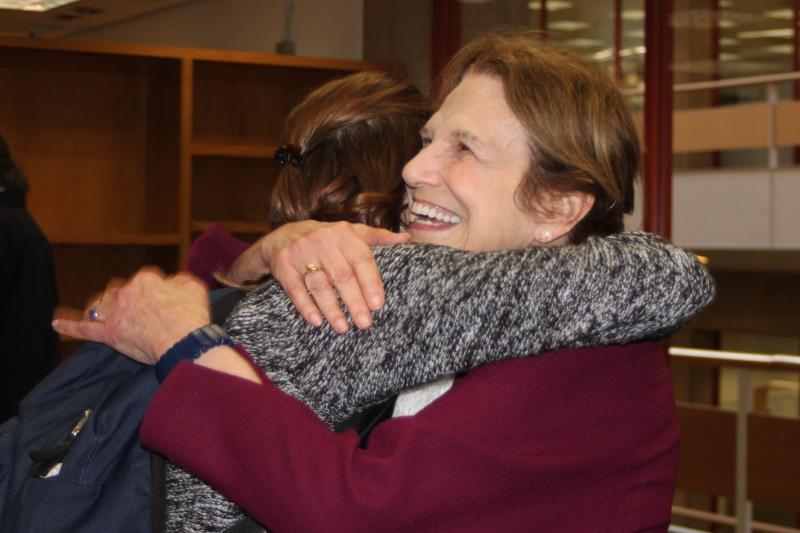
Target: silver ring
94,314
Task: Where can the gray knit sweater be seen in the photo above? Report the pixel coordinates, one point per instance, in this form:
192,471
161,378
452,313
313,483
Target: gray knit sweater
449,311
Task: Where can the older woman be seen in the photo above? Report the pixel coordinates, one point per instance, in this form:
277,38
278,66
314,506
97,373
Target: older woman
508,440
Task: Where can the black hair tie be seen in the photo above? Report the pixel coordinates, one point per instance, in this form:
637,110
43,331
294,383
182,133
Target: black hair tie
288,153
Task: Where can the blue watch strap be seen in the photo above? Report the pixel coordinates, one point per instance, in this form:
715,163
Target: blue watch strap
191,347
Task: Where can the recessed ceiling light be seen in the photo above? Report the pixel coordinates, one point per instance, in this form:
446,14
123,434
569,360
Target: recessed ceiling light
567,25
761,34
29,5
552,5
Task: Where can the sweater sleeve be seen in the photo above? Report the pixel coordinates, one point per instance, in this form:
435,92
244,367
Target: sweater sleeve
213,251
519,462
449,311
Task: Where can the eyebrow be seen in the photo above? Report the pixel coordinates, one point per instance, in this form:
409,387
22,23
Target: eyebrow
456,135
466,136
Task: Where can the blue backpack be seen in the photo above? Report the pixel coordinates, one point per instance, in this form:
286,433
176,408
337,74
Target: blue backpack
71,459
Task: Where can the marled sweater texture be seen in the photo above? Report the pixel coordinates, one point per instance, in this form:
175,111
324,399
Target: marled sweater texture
449,311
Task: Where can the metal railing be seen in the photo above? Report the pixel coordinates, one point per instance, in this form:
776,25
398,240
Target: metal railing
771,82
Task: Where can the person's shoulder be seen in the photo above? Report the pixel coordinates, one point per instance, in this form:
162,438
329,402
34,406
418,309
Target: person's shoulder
17,224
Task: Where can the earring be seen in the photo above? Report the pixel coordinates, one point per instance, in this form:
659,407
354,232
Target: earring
544,237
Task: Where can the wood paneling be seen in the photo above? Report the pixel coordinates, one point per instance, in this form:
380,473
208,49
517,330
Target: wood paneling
707,456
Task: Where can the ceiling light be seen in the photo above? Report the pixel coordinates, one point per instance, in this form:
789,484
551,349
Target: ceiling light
567,25
603,55
762,34
728,41
727,24
727,57
633,14
783,49
628,52
29,5
583,42
782,14
725,3
634,34
552,5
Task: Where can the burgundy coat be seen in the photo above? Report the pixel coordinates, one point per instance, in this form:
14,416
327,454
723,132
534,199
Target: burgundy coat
582,441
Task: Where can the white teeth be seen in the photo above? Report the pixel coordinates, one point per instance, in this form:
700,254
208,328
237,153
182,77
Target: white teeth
432,212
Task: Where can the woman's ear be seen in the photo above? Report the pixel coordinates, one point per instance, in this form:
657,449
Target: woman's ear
564,211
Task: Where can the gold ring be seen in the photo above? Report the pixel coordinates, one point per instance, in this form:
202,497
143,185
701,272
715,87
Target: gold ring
312,267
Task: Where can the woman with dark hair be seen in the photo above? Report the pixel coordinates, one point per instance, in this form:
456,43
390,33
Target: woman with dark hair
474,458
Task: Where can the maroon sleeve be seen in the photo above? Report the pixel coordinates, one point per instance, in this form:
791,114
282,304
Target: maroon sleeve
578,442
214,250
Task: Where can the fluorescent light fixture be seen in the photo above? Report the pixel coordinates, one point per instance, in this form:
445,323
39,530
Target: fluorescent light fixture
727,57
763,34
603,55
29,5
782,14
583,42
726,23
728,41
636,50
782,49
567,25
552,5
633,14
634,34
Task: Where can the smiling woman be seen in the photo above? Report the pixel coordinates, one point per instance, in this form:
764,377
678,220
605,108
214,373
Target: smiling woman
472,162
581,440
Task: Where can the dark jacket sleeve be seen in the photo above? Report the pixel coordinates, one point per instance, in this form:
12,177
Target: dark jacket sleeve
580,443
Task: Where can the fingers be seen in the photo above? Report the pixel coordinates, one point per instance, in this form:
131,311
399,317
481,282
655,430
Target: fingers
322,291
80,329
293,284
378,236
343,252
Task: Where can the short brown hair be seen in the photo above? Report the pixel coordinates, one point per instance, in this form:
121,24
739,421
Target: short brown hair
581,134
355,134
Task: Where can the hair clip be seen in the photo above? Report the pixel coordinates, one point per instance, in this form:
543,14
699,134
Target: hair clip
288,153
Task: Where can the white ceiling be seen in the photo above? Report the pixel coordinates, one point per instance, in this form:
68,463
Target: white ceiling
76,16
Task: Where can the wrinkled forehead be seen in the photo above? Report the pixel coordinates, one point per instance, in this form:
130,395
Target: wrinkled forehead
477,107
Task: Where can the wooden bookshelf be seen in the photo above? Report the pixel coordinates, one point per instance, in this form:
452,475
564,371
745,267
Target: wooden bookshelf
132,150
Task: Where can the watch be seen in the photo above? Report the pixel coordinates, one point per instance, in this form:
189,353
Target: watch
191,347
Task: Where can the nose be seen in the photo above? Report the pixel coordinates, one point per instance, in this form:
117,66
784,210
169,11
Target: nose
422,169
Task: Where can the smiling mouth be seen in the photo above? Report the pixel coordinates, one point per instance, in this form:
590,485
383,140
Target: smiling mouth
431,215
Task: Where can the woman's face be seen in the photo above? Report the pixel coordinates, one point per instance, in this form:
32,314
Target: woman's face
461,185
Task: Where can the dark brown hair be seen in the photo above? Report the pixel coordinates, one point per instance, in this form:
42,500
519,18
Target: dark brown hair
581,134
355,134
